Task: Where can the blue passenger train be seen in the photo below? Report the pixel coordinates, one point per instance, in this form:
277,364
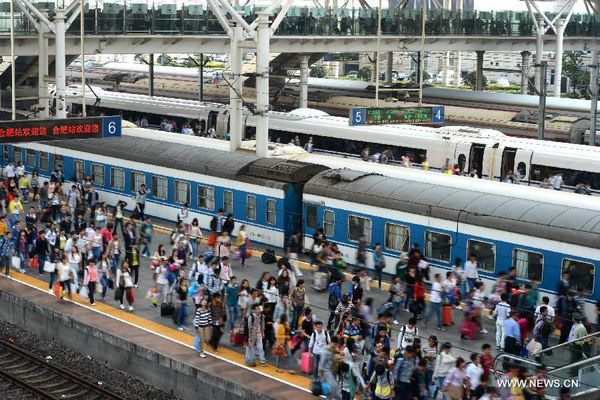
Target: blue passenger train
273,197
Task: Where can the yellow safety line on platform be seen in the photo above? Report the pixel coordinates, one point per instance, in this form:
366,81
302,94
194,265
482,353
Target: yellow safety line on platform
297,380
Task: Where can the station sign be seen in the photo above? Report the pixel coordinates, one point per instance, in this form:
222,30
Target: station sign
39,130
394,116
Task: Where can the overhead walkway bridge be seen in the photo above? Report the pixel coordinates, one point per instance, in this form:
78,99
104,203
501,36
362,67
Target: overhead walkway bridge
568,364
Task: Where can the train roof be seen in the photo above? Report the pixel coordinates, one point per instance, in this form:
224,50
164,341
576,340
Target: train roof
206,161
512,214
533,193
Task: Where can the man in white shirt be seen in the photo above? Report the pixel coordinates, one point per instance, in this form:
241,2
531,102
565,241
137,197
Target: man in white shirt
474,371
471,271
435,302
546,302
9,170
501,312
319,340
407,334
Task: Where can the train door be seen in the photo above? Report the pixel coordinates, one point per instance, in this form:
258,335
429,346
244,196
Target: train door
212,121
508,161
523,164
462,155
476,158
222,124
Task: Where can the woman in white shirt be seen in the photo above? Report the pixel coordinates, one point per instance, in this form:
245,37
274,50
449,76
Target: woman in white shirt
195,234
271,292
100,216
160,277
97,244
125,285
75,263
64,275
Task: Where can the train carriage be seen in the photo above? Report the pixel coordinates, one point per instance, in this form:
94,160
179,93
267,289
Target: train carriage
539,239
264,194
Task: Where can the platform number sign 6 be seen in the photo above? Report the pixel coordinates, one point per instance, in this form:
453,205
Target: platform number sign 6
111,126
357,116
438,115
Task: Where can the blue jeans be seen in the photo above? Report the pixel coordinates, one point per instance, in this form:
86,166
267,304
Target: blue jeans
181,314
41,261
295,316
243,254
253,350
115,263
96,252
316,359
437,309
232,314
289,358
396,309
6,260
146,248
441,380
471,283
198,343
194,244
409,295
104,282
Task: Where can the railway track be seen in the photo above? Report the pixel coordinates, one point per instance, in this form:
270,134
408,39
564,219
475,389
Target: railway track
45,380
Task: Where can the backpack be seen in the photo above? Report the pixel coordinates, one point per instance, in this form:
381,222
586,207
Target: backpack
314,337
416,334
213,224
547,328
332,302
268,257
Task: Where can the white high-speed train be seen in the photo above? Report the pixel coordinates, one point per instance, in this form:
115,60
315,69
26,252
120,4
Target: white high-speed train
490,152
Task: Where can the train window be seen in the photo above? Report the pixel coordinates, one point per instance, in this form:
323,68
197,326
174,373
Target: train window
206,197
522,170
485,253
251,207
271,212
529,265
437,246
159,187
182,192
79,170
117,178
328,223
359,227
579,274
396,237
570,177
44,161
228,201
137,180
17,154
462,162
30,158
311,217
98,174
58,161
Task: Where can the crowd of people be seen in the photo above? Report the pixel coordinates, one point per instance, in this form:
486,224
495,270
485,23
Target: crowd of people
377,352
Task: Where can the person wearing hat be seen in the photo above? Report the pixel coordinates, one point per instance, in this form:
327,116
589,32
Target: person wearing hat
512,334
578,331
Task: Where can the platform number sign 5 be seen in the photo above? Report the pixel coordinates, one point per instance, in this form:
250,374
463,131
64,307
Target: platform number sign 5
438,115
357,116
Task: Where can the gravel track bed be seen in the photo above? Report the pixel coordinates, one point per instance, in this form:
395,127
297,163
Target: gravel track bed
118,382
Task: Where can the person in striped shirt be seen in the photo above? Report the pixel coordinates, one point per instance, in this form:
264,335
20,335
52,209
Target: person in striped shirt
202,323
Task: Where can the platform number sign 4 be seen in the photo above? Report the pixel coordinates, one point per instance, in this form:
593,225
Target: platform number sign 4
437,115
358,116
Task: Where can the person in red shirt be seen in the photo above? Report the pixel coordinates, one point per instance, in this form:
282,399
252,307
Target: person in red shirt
523,327
487,360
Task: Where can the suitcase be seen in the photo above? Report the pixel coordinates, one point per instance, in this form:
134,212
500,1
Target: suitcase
237,337
167,308
320,281
306,362
447,315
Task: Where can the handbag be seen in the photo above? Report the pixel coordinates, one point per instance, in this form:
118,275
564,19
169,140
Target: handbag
16,262
57,289
84,292
455,392
278,350
34,263
49,266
